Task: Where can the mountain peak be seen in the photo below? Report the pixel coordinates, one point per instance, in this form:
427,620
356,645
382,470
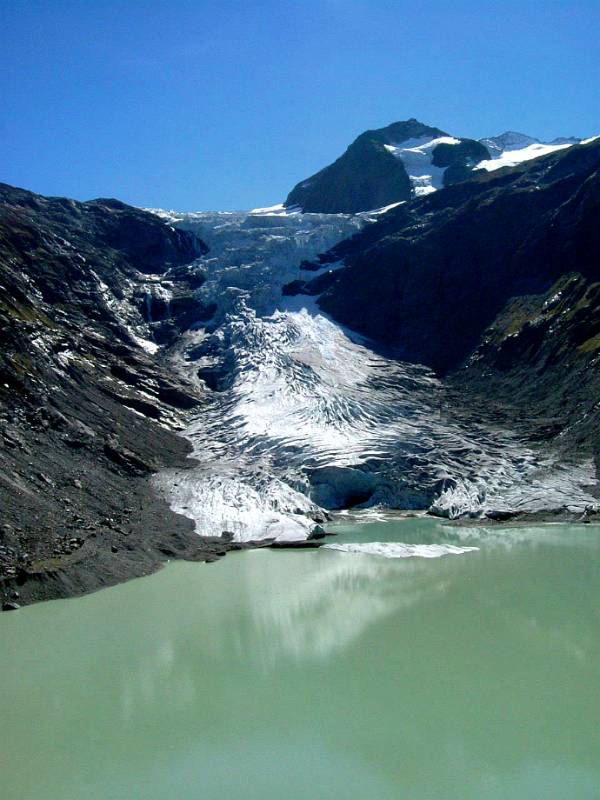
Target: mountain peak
509,140
406,158
402,131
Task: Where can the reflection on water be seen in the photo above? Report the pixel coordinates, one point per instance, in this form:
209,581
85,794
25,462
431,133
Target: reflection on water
318,674
313,612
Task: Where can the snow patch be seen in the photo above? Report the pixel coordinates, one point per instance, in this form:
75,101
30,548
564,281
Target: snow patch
513,157
383,210
145,344
277,210
417,157
65,357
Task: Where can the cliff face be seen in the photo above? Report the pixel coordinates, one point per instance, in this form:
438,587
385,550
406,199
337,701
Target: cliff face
366,176
433,274
540,359
86,413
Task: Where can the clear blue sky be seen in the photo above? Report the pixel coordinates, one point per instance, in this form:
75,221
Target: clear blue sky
225,105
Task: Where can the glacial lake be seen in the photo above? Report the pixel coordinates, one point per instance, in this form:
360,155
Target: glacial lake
319,675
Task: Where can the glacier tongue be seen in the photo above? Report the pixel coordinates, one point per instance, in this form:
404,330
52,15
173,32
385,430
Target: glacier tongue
306,417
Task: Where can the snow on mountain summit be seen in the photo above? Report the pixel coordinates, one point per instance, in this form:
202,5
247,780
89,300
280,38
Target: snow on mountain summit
409,159
418,159
509,140
512,148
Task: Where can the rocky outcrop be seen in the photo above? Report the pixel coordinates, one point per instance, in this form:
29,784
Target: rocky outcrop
541,359
367,176
458,160
511,140
87,412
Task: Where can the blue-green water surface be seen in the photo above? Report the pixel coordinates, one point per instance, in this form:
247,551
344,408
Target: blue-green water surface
318,675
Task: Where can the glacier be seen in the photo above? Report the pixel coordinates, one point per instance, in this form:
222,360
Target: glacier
303,417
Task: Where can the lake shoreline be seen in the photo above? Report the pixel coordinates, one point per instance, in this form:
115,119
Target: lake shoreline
158,535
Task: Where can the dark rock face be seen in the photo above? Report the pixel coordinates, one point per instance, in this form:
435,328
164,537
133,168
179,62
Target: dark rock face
496,283
170,316
459,159
541,355
137,239
144,242
368,176
433,274
86,414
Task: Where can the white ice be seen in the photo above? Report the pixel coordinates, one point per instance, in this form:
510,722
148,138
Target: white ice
254,254
510,158
277,210
417,157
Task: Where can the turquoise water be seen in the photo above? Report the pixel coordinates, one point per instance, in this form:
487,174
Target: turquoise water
318,674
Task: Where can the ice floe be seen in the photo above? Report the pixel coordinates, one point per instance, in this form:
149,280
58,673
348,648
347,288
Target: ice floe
401,550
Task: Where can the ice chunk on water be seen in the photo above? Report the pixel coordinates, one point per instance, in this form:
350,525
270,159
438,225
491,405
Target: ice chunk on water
401,550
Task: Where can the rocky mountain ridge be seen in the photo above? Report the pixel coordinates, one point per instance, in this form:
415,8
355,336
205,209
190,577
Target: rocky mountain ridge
408,159
512,140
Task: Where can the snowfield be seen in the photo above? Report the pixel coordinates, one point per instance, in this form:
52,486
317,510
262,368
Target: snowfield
507,150
510,158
